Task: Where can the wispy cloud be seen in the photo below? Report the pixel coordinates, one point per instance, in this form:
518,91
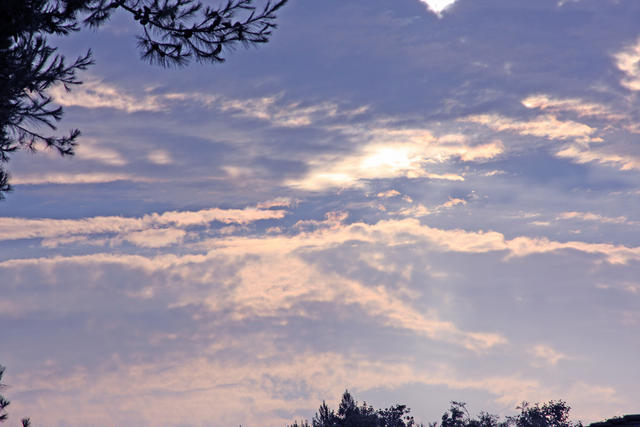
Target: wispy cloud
95,93
90,149
584,153
270,380
274,280
547,354
292,114
589,216
545,126
577,106
628,61
391,153
76,178
24,228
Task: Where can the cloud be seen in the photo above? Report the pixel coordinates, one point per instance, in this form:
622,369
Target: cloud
276,279
420,210
268,285
226,282
580,107
248,391
544,126
160,157
582,153
328,233
630,287
156,238
589,216
548,355
24,228
392,153
90,149
628,61
389,193
278,202
252,390
94,93
453,201
293,114
278,284
75,178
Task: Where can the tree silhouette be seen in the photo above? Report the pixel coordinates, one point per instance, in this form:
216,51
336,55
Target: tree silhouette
350,414
173,33
551,414
26,422
3,402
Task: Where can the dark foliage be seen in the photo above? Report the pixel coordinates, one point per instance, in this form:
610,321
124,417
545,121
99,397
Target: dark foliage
173,33
350,414
3,402
551,414
26,422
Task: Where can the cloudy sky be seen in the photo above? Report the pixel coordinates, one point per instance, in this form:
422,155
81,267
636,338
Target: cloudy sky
420,201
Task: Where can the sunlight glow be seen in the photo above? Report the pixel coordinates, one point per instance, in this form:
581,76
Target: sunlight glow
437,6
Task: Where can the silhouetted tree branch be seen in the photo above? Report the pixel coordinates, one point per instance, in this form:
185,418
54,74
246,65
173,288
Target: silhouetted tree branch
26,422
173,33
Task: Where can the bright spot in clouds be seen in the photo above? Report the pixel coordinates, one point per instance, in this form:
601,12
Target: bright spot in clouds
438,6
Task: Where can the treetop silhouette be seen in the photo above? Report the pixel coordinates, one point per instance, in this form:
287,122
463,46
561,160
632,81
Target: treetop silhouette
350,414
26,422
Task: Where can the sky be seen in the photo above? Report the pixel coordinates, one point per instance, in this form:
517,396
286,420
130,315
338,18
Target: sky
418,201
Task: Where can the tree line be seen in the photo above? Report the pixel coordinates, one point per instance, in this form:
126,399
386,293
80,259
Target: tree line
352,414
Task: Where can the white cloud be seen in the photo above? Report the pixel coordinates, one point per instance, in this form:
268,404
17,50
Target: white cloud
578,106
546,354
90,149
253,390
392,153
293,114
23,228
420,210
389,193
545,126
155,238
241,278
94,93
160,157
583,153
453,201
628,61
438,6
328,233
589,216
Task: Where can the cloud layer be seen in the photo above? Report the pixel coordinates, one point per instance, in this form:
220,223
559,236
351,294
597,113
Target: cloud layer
419,201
